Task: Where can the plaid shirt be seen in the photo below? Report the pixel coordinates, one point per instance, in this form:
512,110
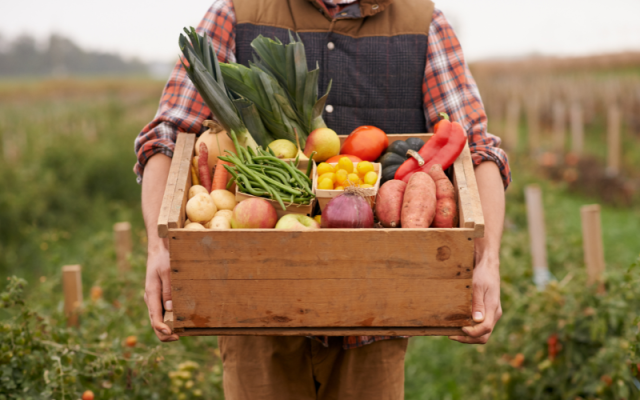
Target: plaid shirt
447,87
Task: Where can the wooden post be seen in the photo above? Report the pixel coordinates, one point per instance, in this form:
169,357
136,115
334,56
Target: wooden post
577,130
537,236
533,124
512,125
72,287
613,140
122,238
592,244
559,127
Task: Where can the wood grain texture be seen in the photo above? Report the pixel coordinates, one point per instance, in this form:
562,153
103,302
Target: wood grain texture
72,287
178,205
592,242
306,331
167,199
470,175
123,244
330,253
465,209
322,303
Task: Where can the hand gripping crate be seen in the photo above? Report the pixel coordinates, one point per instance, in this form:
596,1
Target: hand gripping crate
333,282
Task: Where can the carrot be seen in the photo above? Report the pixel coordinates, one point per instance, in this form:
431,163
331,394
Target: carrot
194,176
203,167
220,176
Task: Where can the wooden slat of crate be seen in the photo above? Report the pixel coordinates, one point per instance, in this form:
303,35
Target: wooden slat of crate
169,191
343,254
183,183
306,331
322,302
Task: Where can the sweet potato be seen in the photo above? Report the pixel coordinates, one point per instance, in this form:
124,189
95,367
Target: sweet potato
446,205
419,202
389,203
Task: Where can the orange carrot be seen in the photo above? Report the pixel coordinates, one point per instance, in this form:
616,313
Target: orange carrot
220,176
203,167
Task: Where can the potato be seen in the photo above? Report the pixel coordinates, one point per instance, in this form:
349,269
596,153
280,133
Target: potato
195,189
389,203
419,203
201,208
194,227
224,199
224,213
220,222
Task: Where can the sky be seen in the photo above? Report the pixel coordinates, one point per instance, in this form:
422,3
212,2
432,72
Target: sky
149,30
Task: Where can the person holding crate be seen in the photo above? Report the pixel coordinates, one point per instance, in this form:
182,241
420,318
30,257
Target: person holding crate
395,65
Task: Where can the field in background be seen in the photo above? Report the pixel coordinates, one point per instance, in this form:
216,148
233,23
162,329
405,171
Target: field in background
66,171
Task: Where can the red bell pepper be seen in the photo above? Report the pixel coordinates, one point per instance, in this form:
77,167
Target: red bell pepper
443,148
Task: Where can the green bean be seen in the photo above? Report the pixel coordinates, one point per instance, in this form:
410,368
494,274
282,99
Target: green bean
277,175
291,170
234,138
270,151
230,183
277,184
277,196
269,168
310,165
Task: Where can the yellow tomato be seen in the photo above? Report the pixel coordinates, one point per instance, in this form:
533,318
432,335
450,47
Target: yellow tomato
328,175
325,184
324,168
363,167
371,178
352,180
366,185
346,164
338,188
341,177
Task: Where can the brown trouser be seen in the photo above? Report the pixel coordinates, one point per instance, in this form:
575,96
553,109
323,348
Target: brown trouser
298,368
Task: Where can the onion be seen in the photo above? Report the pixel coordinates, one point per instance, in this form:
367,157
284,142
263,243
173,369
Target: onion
348,210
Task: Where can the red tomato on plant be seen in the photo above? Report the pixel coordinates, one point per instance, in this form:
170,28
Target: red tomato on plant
337,158
366,142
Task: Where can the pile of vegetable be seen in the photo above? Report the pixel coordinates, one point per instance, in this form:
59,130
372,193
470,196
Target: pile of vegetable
267,113
260,173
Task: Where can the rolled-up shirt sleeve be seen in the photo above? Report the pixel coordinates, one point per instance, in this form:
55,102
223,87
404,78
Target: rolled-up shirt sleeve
449,87
181,108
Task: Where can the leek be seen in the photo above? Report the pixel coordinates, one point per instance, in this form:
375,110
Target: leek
265,93
288,64
204,72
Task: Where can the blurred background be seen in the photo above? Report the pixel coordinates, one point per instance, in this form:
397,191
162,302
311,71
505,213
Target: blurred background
79,80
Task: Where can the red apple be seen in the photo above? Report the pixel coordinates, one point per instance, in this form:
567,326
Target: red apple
297,222
254,213
325,142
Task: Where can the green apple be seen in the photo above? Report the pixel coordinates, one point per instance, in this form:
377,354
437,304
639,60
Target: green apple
283,148
297,222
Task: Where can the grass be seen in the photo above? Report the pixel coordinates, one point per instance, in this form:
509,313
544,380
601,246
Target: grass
66,174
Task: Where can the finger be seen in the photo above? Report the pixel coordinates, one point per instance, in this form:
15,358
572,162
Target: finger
481,329
478,308
471,340
163,332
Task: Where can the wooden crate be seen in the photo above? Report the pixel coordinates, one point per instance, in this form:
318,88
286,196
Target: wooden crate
331,282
